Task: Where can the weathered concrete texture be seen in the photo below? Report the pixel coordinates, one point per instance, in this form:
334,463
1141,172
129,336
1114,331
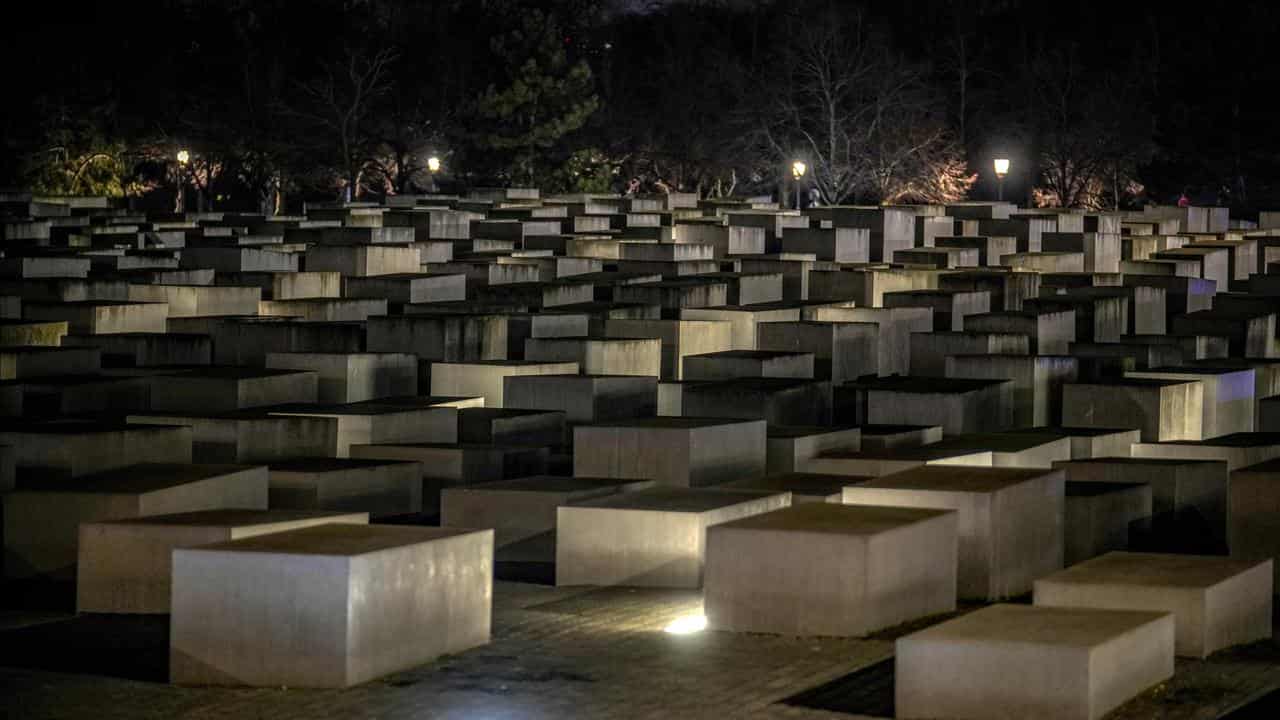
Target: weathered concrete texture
125,566
949,306
525,507
1037,381
224,389
791,447
650,538
1179,488
584,398
599,356
1216,602
743,320
1162,410
249,436
1050,332
1229,396
450,464
328,606
895,327
1010,449
486,379
958,405
1099,515
100,317
679,452
374,421
199,300
885,437
451,338
75,448
679,339
1010,527
353,377
779,401
731,364
41,523
1087,443
379,488
247,341
1253,519
1009,662
831,570
882,461
842,351
929,351
1237,450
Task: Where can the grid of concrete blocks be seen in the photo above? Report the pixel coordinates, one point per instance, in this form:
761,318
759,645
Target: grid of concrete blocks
311,439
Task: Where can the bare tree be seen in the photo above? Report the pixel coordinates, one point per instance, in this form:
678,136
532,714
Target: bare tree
340,101
862,118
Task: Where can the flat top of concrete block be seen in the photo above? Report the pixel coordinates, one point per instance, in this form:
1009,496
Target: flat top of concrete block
232,517
795,431
324,465
555,484
507,363
1076,488
75,427
141,478
1153,570
669,499
996,441
1038,625
424,401
458,447
1191,370
489,413
877,430
360,408
748,354
834,519
798,483
1141,461
753,384
589,379
1240,439
668,423
337,539
1266,466
1133,382
958,478
909,384
1073,431
235,373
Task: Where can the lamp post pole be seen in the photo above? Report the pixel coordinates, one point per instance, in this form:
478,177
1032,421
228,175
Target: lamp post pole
1001,166
797,172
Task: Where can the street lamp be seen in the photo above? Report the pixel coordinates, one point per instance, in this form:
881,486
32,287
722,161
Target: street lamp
433,164
1002,169
184,157
797,172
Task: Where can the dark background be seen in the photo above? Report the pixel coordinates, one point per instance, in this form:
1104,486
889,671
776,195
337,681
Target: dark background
276,97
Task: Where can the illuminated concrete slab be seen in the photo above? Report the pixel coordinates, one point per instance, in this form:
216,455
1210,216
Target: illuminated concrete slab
375,421
1229,396
881,462
675,451
1009,449
380,488
599,356
790,447
486,379
277,610
1099,516
678,338
886,437
1037,381
1010,527
958,405
125,566
101,317
41,523
779,401
1161,409
1216,602
1236,450
743,320
650,538
354,377
524,507
1009,662
829,569
584,398
1087,443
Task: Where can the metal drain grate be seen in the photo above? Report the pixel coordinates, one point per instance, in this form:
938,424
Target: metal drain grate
866,691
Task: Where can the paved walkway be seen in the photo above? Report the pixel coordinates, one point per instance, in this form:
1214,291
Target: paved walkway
560,653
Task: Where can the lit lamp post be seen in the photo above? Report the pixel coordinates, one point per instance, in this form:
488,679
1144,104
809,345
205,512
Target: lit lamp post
433,166
797,172
1002,169
184,158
